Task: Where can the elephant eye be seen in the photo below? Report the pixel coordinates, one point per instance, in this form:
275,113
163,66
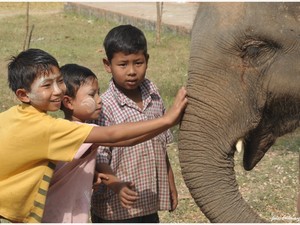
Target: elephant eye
258,52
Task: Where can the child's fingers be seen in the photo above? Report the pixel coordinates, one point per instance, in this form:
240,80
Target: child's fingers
182,93
103,176
128,201
128,196
180,99
179,105
129,191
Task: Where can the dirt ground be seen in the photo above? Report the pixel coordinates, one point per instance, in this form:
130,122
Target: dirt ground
8,9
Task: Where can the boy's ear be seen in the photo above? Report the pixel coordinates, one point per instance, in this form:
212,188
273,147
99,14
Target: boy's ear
22,95
106,64
67,102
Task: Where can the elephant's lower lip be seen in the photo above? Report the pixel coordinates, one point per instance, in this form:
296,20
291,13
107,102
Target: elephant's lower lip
255,146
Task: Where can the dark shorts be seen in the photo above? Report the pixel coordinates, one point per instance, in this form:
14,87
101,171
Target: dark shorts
152,218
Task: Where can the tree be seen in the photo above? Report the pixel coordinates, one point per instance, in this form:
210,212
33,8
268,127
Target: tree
159,10
27,39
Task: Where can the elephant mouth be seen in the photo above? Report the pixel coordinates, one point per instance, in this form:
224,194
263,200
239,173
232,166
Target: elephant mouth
281,116
255,146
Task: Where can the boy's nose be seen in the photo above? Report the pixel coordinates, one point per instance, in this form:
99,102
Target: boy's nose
59,89
131,70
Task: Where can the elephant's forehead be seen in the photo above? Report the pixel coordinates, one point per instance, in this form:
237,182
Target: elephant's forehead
227,14
272,20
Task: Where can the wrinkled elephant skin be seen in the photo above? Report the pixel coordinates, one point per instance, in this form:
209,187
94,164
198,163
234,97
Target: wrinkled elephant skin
243,83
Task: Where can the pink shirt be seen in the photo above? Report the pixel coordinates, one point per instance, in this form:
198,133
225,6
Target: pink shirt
69,195
144,164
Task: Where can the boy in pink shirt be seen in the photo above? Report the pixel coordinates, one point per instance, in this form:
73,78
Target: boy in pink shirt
69,195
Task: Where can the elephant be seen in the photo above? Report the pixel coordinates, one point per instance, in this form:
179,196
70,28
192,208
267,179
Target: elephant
243,87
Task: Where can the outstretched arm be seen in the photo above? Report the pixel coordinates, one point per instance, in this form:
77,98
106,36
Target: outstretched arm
139,131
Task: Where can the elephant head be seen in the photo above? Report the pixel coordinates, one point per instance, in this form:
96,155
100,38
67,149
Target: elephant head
243,84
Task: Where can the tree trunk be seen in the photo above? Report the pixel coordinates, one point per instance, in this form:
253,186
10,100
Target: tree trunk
159,10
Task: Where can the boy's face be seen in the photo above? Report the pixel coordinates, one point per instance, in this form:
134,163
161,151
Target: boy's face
87,103
47,91
128,71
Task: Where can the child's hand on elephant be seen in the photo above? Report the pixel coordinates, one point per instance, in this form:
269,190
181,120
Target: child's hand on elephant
176,111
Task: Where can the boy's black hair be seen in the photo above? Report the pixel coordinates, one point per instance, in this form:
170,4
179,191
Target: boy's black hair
75,76
125,38
24,68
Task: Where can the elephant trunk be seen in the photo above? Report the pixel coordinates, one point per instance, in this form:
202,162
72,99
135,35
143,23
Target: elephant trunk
207,141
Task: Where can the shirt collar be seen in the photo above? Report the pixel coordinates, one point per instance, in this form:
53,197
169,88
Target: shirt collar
29,108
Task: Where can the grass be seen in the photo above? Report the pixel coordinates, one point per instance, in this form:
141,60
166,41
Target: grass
271,188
